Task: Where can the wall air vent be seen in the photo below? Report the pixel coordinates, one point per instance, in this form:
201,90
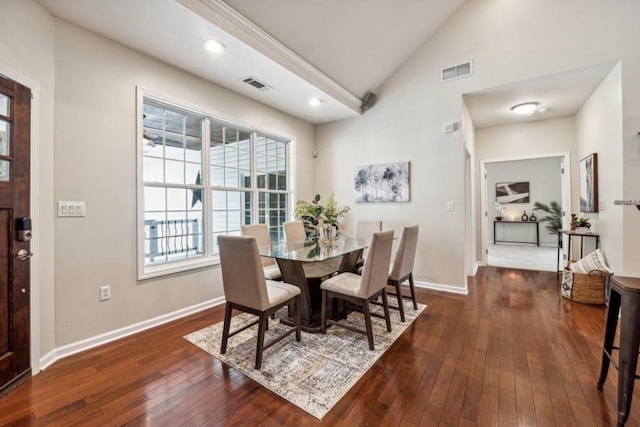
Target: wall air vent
456,72
256,83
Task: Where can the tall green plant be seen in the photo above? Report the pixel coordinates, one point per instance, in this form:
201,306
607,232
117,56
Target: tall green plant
553,217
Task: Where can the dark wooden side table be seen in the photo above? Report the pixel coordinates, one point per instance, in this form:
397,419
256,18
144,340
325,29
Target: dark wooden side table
571,234
625,294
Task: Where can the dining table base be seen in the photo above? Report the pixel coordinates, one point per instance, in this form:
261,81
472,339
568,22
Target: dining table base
308,277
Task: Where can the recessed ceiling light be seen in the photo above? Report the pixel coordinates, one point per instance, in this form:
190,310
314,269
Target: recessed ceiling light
214,46
526,109
315,101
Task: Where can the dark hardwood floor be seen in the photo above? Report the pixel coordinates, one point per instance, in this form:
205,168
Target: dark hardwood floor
512,352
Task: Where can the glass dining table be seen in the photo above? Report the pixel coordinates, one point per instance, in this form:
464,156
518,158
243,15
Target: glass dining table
305,264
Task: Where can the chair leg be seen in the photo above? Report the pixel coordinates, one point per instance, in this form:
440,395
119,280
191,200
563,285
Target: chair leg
323,313
385,305
225,328
262,327
399,296
298,317
367,322
413,292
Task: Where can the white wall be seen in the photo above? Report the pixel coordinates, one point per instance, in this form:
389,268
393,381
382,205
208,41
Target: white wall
27,49
95,161
413,105
599,130
543,176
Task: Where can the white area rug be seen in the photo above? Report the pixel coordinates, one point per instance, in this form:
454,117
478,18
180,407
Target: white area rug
528,257
315,373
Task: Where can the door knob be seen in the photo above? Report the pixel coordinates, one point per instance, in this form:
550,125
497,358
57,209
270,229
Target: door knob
24,254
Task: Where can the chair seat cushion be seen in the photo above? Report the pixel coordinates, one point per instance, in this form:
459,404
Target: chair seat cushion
280,292
272,272
344,283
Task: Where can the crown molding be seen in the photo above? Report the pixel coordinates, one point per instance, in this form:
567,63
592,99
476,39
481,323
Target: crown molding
222,15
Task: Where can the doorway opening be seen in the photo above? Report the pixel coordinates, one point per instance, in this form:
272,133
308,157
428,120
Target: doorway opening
515,234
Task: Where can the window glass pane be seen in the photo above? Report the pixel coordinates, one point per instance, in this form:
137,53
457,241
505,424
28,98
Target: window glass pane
193,173
155,199
173,147
231,178
152,170
176,199
193,152
5,170
5,148
152,144
174,172
5,104
154,242
217,176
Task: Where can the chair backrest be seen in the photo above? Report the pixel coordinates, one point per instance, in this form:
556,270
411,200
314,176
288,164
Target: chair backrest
242,274
365,228
294,230
406,253
376,267
262,236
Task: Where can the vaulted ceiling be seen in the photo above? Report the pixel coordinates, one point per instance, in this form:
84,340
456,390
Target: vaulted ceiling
333,50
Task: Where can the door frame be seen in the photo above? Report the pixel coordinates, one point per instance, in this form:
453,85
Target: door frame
34,213
565,188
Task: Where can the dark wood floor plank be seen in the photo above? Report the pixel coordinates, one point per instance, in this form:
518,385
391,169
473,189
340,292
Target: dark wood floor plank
511,352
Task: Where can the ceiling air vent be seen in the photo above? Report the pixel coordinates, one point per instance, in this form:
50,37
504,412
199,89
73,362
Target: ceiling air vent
256,83
456,72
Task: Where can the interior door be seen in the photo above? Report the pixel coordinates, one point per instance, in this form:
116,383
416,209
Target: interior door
15,113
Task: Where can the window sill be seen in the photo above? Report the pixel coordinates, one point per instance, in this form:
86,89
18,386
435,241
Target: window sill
149,272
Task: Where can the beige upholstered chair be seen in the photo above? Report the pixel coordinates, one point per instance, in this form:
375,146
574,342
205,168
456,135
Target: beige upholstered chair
261,233
402,268
360,290
294,231
246,289
364,231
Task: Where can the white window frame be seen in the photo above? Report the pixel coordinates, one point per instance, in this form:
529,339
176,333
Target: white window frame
208,258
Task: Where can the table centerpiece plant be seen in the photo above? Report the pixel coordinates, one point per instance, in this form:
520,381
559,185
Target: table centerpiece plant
314,214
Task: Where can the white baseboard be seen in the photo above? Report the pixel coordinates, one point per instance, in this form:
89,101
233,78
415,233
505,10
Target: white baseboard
443,288
86,344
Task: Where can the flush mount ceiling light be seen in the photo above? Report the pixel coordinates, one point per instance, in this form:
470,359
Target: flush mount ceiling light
315,102
214,46
526,109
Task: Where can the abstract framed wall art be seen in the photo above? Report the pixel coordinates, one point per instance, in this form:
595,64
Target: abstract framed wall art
388,182
588,183
512,192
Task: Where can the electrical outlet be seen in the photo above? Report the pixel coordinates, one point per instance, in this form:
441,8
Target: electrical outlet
105,293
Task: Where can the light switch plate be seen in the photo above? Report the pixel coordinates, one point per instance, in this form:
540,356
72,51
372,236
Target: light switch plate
602,205
71,209
451,206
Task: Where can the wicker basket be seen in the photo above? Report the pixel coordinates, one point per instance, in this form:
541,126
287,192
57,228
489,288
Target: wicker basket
584,288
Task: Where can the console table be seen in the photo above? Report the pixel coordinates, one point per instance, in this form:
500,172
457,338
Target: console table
495,222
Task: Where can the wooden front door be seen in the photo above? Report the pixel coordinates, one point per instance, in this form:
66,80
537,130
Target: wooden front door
15,254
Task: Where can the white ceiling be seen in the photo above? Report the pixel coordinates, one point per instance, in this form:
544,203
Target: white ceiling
561,94
335,50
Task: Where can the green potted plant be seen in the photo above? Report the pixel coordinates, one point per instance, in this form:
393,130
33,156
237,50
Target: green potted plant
553,218
582,225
